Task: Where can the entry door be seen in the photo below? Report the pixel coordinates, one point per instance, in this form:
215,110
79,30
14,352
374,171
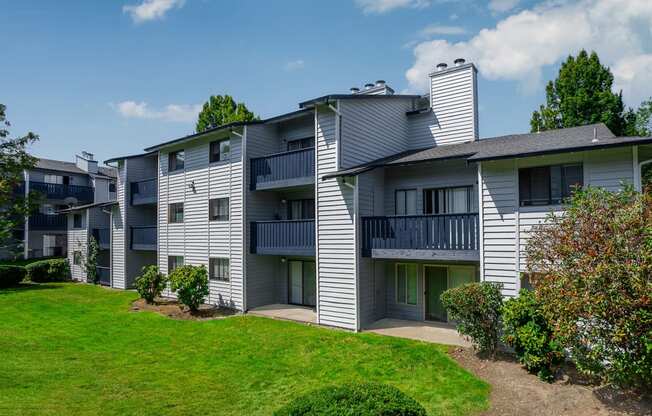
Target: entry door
302,283
436,284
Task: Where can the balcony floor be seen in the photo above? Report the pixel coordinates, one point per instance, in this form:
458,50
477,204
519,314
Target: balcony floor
435,255
286,312
435,332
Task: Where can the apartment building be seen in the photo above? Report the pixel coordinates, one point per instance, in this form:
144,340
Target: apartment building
360,206
60,185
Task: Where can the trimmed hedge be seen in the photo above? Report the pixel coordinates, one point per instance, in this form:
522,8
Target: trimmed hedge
11,275
364,399
52,270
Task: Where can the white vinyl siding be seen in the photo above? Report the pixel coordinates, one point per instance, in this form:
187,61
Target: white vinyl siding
119,229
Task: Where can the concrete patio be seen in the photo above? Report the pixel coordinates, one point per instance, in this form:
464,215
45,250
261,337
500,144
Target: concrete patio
434,332
287,312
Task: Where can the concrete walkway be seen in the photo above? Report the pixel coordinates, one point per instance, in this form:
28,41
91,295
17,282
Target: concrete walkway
287,312
439,333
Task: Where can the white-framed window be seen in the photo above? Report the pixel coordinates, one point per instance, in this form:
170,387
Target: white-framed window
220,150
452,200
219,269
406,283
548,185
299,144
175,212
406,201
174,262
77,221
77,258
218,209
176,160
57,179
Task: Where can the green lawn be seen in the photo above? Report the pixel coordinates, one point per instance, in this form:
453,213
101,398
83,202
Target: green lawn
77,349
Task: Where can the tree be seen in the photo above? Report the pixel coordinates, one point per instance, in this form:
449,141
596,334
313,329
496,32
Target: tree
582,94
90,264
639,122
14,159
592,273
220,110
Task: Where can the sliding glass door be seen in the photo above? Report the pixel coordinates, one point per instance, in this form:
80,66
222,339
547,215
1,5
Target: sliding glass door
302,282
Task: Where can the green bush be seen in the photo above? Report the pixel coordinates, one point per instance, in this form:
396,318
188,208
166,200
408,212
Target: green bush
150,283
527,331
366,399
52,270
11,275
591,270
476,307
191,285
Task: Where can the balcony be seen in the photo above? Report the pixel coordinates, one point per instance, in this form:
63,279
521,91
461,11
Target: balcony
291,237
422,237
48,222
143,238
283,170
104,274
144,192
61,191
103,237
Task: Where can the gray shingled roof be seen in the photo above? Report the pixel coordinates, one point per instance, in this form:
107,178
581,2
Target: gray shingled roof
70,167
571,139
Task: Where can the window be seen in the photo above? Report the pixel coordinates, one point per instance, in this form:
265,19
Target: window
301,209
76,258
48,209
77,221
176,160
406,284
58,179
175,212
305,143
218,209
406,202
220,150
456,200
548,185
174,262
111,186
219,269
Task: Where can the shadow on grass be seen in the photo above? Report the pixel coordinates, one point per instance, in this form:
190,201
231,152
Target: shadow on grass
22,287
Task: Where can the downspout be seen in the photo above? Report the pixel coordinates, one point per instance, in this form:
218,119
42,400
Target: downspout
245,177
637,175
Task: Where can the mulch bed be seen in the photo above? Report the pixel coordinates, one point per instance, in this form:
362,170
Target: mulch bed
516,392
173,309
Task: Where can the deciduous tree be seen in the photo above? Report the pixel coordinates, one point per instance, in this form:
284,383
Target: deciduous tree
220,110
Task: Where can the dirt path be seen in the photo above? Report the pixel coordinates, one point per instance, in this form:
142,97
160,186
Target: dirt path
515,392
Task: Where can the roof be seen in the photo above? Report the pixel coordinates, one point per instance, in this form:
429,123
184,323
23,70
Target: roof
70,167
333,97
228,126
118,158
573,139
86,206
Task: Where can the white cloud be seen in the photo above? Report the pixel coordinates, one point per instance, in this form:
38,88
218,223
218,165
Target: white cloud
502,6
431,30
295,65
384,6
520,46
151,9
182,113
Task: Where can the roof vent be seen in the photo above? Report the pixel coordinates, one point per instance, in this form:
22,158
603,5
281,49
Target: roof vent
380,83
355,90
442,66
459,61
595,135
368,86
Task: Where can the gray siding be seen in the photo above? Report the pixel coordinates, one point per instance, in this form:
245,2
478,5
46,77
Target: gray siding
336,255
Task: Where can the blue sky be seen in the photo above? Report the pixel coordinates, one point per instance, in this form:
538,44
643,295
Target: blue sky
113,77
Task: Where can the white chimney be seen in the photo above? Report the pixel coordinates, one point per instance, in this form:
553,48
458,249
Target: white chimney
454,102
86,162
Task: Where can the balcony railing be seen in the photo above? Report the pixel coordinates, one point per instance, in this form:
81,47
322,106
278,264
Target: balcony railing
60,191
143,238
293,168
292,237
104,273
421,232
103,237
144,192
48,222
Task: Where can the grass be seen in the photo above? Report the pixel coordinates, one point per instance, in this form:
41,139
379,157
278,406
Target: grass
25,262
77,349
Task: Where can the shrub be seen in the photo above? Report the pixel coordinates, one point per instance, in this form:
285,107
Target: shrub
150,283
191,285
52,270
591,272
527,331
354,399
11,275
476,307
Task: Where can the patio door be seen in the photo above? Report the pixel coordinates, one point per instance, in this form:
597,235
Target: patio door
302,282
436,283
